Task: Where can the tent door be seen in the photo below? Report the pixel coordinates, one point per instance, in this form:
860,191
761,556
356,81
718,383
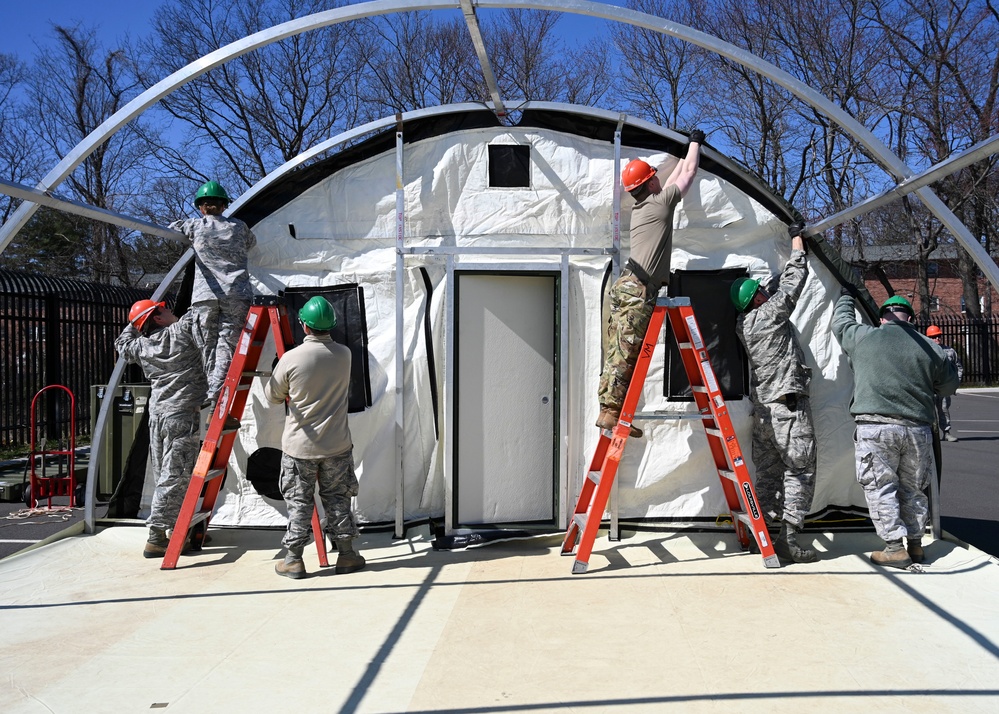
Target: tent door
506,397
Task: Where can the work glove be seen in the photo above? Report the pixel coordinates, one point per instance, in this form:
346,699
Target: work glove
796,229
697,136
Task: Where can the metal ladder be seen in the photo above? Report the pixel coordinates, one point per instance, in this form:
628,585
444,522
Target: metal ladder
266,314
725,450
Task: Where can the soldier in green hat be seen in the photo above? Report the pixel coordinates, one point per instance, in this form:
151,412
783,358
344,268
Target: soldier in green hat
222,291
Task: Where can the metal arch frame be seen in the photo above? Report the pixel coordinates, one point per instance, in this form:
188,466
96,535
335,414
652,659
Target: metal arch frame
166,86
858,131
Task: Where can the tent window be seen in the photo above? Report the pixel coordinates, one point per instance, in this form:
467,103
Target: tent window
509,166
708,291
351,330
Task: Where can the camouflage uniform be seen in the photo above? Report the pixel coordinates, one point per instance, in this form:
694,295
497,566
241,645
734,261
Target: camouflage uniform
894,462
222,291
897,374
337,485
632,299
171,359
943,403
783,437
315,379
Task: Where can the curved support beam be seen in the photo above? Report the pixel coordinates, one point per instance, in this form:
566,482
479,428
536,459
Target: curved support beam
195,69
44,198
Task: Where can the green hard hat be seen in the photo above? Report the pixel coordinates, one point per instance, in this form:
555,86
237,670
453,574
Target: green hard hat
318,314
212,189
897,301
742,292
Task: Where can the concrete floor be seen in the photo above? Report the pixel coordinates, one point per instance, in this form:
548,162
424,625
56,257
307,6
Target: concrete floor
661,622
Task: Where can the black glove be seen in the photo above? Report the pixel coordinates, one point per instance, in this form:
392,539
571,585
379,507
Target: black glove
845,292
796,229
697,136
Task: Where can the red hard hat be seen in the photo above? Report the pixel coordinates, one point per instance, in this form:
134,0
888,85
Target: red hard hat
635,174
933,331
141,311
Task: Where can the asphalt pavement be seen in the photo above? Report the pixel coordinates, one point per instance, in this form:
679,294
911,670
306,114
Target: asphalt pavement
969,495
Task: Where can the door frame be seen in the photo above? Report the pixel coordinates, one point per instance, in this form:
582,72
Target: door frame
560,270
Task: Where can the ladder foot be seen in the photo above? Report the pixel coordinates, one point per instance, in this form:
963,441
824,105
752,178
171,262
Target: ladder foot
579,567
771,561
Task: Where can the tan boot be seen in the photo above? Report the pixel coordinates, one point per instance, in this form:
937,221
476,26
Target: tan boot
914,548
892,557
156,544
291,567
349,560
609,418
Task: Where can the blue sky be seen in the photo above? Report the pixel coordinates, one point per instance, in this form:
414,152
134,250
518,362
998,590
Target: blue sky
27,22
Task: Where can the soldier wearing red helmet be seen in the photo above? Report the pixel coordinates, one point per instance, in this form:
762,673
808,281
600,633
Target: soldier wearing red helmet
943,403
633,295
169,351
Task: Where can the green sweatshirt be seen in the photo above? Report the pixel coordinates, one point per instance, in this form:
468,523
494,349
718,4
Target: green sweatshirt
896,370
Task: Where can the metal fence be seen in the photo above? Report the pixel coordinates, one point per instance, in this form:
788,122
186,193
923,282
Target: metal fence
976,342
55,331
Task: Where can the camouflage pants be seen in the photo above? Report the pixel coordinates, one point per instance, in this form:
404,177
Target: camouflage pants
174,443
219,325
784,457
943,414
337,485
630,311
894,464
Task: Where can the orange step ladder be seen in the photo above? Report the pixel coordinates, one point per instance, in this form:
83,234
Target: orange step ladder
725,450
267,314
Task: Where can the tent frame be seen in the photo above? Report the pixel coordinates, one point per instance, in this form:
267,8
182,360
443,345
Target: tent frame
907,180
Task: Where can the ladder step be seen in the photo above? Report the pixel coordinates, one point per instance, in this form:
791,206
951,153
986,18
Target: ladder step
669,416
685,345
242,387
730,475
256,373
214,474
744,519
699,388
580,520
712,432
594,476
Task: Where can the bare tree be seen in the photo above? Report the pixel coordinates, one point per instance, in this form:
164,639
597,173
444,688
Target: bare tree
73,88
20,154
252,114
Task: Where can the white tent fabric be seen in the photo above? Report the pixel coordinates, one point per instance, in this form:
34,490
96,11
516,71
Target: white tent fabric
345,226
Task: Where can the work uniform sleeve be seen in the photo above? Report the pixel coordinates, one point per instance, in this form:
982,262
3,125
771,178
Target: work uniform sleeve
845,326
185,227
276,388
129,344
792,282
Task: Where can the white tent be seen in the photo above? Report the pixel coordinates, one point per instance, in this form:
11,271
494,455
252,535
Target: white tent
502,292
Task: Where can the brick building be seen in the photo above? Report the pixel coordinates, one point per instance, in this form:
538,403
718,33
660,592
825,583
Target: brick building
900,266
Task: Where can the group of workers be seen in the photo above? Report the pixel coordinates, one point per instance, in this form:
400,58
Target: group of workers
186,360
895,400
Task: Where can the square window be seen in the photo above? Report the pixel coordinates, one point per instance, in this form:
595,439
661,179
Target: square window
509,166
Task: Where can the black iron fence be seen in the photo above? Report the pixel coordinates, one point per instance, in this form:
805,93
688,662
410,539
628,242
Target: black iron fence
976,342
55,331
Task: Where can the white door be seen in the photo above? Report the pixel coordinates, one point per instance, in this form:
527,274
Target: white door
505,377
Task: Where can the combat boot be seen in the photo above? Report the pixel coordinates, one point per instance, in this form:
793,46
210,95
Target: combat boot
608,420
914,547
893,556
348,560
292,566
156,544
787,548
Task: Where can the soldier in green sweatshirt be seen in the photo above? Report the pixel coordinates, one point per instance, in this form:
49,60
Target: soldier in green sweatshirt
898,373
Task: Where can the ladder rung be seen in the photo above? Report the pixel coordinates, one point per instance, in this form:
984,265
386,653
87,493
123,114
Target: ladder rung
198,517
243,387
712,432
699,388
685,345
730,475
580,520
594,476
214,474
256,373
669,416
744,519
